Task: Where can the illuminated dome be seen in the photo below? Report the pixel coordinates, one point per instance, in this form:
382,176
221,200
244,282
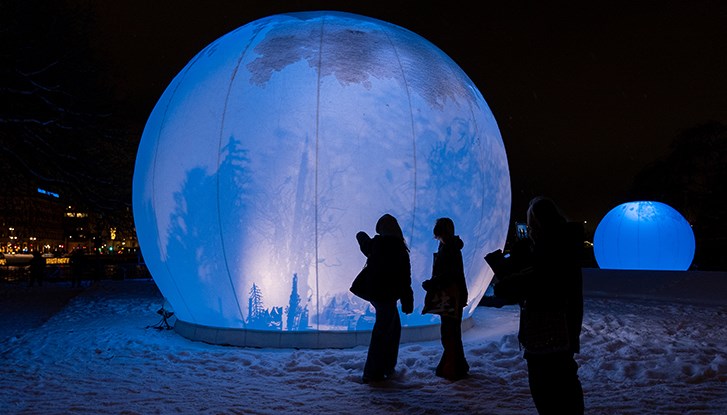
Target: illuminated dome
282,139
644,235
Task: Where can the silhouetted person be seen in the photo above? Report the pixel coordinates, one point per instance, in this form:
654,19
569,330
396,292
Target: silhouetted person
550,293
78,266
97,268
448,275
37,269
390,270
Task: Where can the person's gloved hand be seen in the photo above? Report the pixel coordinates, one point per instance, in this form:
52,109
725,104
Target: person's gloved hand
362,236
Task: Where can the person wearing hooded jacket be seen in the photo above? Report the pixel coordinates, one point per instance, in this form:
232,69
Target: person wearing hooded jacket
550,294
448,274
390,269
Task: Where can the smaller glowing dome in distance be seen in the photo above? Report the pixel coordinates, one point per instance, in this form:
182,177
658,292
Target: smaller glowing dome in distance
644,235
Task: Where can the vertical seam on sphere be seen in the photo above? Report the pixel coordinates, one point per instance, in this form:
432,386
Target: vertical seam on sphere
413,135
217,182
315,198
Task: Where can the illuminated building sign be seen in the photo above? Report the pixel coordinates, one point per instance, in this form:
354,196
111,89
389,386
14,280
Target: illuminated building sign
45,192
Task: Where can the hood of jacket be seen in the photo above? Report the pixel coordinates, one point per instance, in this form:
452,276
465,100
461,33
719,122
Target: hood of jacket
455,242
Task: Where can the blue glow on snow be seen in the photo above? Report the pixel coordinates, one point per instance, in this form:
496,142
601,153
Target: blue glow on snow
644,235
282,139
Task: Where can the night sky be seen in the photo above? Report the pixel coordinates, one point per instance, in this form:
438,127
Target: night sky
586,95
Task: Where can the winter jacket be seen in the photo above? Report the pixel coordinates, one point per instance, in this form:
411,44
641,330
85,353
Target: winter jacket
448,268
553,283
388,260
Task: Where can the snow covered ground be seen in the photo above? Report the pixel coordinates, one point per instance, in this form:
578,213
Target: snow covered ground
91,351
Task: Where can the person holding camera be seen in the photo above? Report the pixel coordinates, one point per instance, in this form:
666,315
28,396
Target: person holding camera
545,279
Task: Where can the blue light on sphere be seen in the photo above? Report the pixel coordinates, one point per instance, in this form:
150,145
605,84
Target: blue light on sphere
280,140
644,235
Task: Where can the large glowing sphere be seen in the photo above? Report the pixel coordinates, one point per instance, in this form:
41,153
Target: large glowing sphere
644,235
282,139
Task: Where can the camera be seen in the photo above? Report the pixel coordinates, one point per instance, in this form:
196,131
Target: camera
517,260
500,262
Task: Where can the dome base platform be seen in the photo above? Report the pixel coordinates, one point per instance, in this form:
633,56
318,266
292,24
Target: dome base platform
301,339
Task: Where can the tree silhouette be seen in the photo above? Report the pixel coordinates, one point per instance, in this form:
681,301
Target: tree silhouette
276,318
303,323
691,179
255,307
293,309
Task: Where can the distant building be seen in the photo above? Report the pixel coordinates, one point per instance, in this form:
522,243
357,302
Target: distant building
31,222
42,221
